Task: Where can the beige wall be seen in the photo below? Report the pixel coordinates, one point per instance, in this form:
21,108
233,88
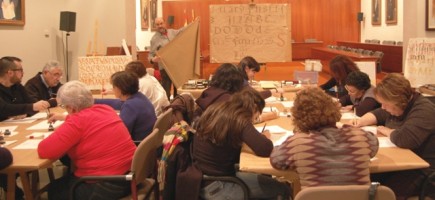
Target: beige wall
40,39
383,31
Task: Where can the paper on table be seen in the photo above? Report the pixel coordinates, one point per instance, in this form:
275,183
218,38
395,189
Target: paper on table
29,144
348,115
43,125
8,142
267,84
271,99
372,129
270,109
278,135
385,142
28,120
11,128
287,104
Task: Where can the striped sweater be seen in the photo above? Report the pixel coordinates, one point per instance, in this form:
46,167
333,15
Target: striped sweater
329,156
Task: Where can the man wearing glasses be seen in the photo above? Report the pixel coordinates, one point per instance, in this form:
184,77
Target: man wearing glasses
45,84
14,100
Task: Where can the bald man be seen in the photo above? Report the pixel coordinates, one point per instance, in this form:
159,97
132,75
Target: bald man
162,37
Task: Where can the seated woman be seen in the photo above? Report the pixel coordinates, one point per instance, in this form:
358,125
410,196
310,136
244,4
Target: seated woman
321,153
136,111
360,94
95,139
220,132
339,67
248,66
406,118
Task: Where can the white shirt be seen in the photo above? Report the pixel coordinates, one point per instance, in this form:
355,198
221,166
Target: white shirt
151,88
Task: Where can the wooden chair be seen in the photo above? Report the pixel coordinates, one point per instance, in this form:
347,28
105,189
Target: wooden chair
143,170
164,123
345,192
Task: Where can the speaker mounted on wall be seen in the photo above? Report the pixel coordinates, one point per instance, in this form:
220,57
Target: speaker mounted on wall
360,16
67,21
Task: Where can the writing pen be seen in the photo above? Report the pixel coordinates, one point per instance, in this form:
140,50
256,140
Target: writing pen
264,127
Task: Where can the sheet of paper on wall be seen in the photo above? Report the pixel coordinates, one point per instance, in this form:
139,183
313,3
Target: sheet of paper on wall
29,144
43,125
385,142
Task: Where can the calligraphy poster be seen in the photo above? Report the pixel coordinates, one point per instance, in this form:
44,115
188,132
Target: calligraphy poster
420,61
95,71
262,31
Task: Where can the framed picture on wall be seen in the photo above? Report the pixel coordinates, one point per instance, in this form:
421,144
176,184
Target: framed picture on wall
376,12
430,15
391,11
145,14
12,12
153,14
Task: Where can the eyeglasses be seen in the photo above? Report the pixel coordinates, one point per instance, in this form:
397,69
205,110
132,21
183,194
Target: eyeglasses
18,69
62,106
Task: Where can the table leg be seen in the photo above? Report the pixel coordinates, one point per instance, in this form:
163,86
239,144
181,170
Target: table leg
10,195
26,185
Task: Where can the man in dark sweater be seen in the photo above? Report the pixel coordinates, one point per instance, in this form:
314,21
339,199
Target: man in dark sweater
14,100
44,85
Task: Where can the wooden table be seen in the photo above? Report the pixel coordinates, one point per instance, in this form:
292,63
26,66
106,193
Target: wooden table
24,160
386,160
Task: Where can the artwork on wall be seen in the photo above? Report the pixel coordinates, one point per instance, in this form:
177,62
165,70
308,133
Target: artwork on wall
12,12
376,12
145,13
153,14
430,15
391,11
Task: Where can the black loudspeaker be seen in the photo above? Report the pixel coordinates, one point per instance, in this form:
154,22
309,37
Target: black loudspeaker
67,21
360,16
170,20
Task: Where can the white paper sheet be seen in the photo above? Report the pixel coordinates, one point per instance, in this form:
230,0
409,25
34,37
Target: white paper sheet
385,142
39,135
8,142
372,129
29,144
278,134
11,128
287,104
43,125
28,120
268,109
348,115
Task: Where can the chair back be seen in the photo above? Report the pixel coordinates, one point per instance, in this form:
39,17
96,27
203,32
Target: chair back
163,123
145,157
308,77
344,192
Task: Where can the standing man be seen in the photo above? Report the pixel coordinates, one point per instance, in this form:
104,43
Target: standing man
14,100
162,37
45,84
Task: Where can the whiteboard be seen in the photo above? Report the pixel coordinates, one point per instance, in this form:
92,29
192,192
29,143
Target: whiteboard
262,31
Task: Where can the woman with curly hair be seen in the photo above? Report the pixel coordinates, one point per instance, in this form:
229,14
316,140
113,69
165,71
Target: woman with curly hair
321,153
220,132
340,67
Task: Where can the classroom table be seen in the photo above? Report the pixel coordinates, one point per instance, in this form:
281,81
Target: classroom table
25,160
386,160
